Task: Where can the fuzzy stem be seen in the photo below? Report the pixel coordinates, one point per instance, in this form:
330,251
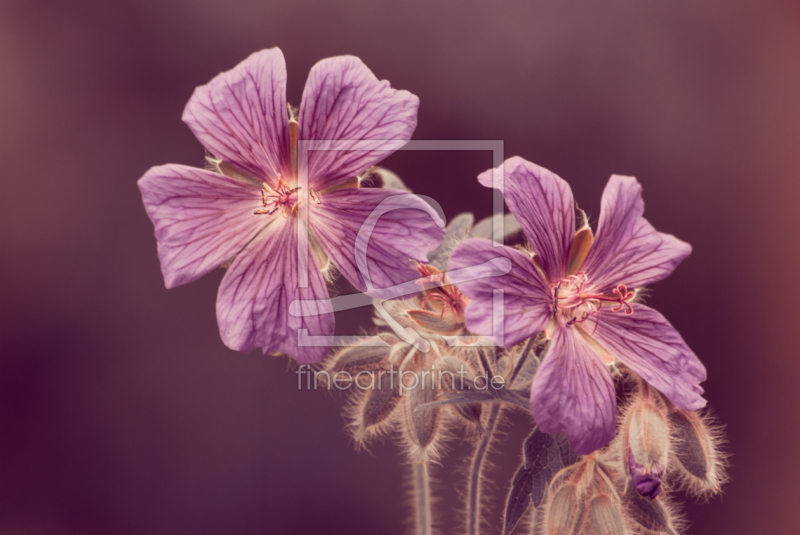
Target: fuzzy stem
422,499
476,468
486,366
526,349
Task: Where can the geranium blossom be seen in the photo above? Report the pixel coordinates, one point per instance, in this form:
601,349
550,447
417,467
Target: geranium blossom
581,289
247,213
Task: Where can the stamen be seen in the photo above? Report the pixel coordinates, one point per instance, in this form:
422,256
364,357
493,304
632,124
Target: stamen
314,196
267,212
586,305
277,198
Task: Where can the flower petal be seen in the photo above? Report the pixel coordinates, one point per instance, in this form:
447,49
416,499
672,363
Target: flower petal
627,249
241,117
573,393
542,203
202,219
527,300
256,292
405,229
343,101
647,343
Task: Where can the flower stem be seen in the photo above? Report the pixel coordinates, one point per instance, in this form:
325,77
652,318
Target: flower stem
422,499
526,350
476,468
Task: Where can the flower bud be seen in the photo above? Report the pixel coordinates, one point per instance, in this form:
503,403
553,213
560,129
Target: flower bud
422,424
655,516
374,392
696,447
605,516
646,447
564,511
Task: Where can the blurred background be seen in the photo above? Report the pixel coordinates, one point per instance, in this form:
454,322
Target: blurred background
121,411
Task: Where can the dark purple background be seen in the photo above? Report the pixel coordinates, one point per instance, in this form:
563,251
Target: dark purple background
121,411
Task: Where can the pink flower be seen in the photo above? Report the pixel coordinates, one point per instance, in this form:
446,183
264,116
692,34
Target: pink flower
248,213
581,289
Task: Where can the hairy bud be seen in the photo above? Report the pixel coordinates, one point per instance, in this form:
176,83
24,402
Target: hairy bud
605,516
379,404
376,392
646,446
422,423
696,448
564,511
652,515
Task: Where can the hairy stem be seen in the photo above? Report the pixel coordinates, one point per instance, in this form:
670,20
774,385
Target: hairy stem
526,350
476,468
422,498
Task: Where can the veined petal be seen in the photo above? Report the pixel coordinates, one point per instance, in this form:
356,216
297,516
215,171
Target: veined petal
542,203
389,229
627,249
344,102
202,219
573,393
651,347
527,300
256,292
241,117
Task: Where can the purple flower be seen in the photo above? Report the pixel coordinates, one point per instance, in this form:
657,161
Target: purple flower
579,289
253,211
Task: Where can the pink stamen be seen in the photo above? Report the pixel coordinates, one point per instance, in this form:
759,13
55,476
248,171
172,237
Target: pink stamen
277,198
621,296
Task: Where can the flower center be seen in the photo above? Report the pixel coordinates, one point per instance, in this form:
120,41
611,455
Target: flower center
575,299
282,197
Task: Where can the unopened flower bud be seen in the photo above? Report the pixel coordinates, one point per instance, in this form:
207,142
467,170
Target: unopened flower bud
422,424
605,516
563,513
696,440
646,447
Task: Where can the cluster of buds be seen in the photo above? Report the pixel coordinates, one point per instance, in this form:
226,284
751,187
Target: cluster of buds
622,489
427,349
593,497
660,444
400,383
